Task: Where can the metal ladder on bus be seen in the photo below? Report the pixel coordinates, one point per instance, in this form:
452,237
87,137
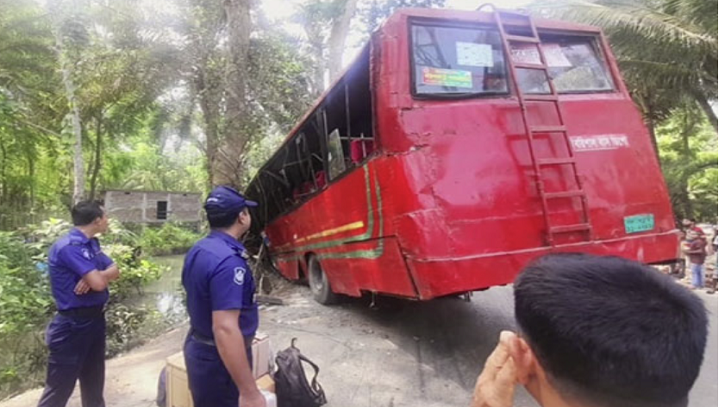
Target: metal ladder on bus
533,130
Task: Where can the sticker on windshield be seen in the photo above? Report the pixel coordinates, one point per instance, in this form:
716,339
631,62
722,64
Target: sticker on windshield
447,77
555,56
473,54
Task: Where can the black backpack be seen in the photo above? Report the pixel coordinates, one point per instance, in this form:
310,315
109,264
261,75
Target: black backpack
290,381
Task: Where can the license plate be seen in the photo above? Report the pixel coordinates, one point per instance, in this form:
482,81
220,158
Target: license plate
639,223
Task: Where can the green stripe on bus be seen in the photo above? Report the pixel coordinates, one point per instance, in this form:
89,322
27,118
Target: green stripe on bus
364,254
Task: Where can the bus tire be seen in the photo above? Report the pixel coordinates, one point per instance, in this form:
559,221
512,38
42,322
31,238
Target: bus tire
319,284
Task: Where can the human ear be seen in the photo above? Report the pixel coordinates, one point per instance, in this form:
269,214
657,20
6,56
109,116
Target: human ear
523,358
529,372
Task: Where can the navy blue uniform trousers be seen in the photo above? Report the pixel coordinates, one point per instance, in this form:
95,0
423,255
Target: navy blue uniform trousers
210,383
77,352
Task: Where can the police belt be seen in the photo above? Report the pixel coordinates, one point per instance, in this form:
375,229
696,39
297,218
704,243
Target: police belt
83,312
210,341
202,339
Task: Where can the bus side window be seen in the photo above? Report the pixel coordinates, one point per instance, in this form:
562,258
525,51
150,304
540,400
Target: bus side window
360,106
360,148
335,155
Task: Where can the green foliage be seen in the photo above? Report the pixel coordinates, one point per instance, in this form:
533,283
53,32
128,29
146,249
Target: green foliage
25,304
688,149
24,289
170,238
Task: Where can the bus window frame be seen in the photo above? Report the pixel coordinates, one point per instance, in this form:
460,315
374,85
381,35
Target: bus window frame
317,121
376,151
436,22
595,38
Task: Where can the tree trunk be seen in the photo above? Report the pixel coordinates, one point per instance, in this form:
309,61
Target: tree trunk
3,177
70,94
338,35
707,108
653,137
236,135
206,87
97,157
318,69
211,129
31,177
317,43
687,128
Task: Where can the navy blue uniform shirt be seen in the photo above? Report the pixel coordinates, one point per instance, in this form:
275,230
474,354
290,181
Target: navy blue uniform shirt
70,258
216,277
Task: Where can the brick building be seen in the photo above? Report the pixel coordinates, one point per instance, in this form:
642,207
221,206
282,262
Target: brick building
153,206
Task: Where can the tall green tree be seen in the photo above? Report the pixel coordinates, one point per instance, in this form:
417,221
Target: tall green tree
689,162
71,37
31,102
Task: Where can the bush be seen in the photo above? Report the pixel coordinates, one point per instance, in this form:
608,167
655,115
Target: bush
24,288
170,238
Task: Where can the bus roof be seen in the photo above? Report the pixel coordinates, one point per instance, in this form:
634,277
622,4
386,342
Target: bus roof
487,17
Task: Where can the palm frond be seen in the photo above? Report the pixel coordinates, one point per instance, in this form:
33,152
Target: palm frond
636,16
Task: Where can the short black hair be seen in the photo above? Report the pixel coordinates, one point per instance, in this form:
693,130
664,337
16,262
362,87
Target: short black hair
85,212
224,221
610,331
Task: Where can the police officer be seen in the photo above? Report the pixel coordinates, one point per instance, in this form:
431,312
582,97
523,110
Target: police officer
222,311
76,337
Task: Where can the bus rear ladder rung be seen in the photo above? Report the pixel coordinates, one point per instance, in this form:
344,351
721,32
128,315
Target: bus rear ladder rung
580,227
523,65
555,161
522,38
548,129
564,194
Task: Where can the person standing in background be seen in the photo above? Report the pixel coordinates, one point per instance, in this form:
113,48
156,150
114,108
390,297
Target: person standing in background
697,252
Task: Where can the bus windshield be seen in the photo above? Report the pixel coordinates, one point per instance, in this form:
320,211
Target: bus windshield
464,61
457,61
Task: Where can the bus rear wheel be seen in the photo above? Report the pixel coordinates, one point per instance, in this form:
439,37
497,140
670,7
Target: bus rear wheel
319,284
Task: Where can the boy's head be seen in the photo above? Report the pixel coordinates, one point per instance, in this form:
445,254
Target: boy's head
606,332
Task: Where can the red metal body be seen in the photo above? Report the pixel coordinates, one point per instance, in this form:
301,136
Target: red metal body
448,203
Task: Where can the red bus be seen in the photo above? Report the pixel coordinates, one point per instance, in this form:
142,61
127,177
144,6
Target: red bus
457,147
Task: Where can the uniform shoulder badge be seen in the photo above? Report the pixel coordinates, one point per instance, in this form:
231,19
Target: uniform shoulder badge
239,273
86,253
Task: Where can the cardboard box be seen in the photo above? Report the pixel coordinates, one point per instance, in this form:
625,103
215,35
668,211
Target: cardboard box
261,355
177,384
266,383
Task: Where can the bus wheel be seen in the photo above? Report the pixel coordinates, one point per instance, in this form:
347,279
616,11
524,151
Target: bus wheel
319,284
